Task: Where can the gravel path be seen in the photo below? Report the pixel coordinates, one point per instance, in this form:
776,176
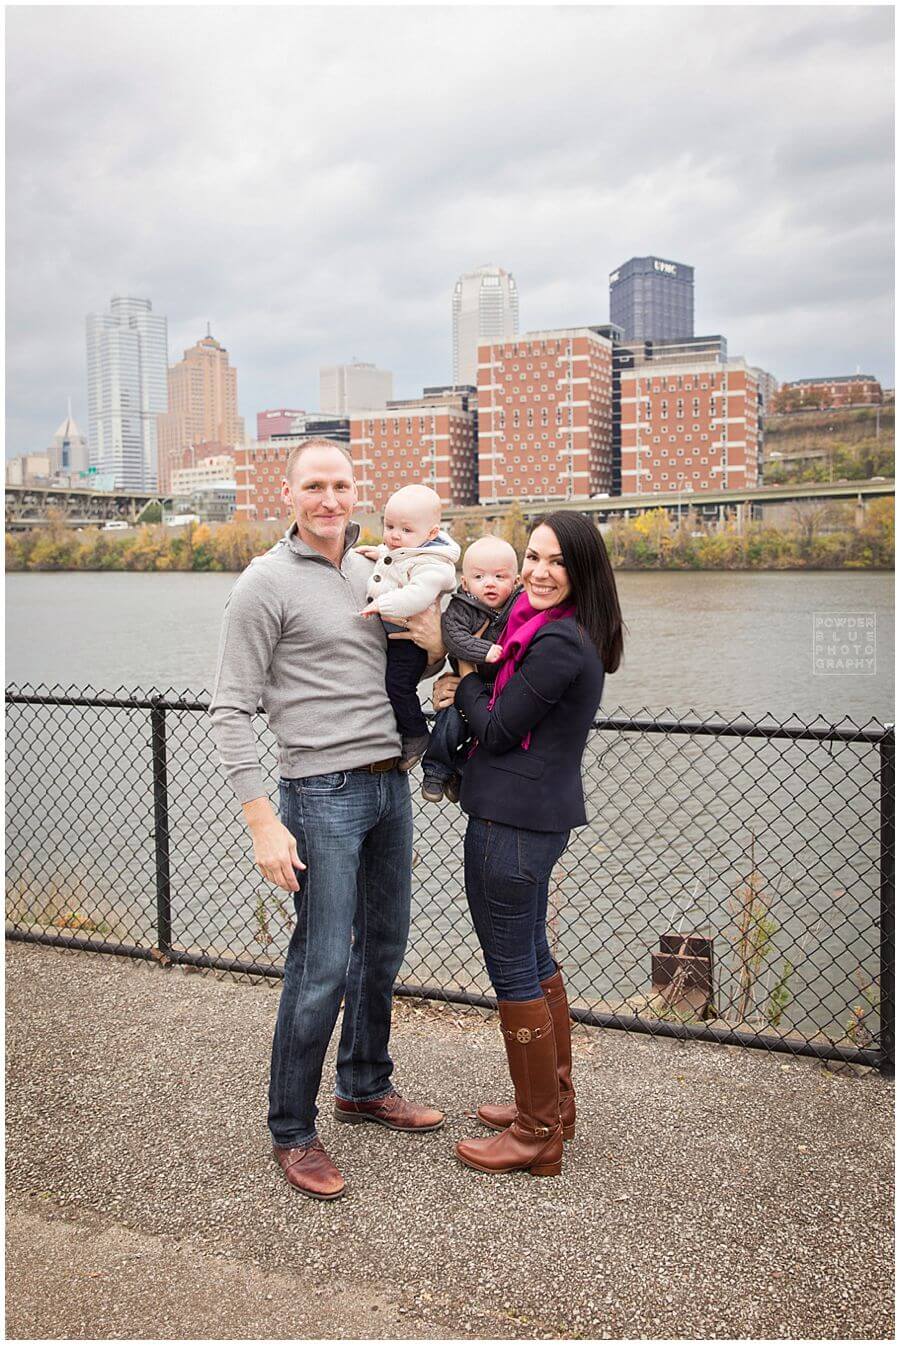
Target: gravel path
710,1192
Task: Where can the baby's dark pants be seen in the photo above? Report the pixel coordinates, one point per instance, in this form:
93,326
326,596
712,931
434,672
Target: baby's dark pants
405,664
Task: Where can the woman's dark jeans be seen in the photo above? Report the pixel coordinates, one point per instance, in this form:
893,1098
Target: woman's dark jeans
507,885
449,735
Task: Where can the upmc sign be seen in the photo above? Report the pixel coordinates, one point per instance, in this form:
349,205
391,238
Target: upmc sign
667,268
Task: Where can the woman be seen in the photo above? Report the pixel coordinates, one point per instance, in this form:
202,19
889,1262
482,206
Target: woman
523,793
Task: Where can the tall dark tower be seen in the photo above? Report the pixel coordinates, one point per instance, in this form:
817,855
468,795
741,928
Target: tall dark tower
652,299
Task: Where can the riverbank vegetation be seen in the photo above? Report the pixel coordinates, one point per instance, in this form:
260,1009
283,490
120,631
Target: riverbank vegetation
844,444
820,536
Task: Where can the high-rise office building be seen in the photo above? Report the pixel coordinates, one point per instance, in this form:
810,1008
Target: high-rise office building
485,309
652,299
68,452
127,390
545,416
344,388
202,405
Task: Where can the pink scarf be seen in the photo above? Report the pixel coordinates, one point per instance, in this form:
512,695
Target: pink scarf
521,627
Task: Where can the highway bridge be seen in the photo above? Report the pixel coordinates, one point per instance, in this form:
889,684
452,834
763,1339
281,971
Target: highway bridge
708,503
32,506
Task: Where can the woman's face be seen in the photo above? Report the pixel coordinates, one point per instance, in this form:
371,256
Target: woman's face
543,573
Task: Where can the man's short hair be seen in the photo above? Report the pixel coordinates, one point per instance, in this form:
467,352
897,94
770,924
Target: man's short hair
299,449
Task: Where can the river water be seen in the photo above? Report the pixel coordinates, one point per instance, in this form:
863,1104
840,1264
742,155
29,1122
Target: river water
709,641
685,831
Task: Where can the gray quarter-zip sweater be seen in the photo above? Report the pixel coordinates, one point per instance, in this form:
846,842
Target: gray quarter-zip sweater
293,639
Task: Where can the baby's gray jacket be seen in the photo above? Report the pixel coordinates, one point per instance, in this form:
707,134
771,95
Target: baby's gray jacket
463,616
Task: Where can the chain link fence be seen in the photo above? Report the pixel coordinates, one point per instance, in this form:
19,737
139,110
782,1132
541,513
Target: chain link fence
735,881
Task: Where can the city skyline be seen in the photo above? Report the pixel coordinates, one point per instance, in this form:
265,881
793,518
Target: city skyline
786,221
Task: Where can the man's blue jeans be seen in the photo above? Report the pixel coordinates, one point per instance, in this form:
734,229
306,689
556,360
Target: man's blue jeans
354,834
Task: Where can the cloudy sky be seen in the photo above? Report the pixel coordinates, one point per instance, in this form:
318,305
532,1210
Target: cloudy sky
313,180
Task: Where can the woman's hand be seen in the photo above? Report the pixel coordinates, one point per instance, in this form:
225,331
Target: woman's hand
465,668
425,630
444,690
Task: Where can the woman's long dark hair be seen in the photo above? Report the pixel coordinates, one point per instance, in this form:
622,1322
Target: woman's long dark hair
593,582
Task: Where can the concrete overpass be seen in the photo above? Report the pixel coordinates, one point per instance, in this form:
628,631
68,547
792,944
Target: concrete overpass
706,502
30,506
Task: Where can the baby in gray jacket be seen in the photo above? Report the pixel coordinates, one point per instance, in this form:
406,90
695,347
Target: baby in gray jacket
471,626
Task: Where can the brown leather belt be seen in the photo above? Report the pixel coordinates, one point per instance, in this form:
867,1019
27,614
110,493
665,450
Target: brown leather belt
379,767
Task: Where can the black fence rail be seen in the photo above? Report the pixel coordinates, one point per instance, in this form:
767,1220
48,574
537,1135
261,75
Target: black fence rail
735,881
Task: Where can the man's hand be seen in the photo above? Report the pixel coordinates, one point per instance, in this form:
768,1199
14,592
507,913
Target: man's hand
274,847
425,630
444,690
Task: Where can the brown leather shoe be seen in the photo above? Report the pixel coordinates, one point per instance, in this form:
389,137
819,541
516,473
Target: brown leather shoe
310,1171
534,1140
392,1111
499,1116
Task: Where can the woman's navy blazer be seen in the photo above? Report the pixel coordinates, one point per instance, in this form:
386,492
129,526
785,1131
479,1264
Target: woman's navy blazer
554,693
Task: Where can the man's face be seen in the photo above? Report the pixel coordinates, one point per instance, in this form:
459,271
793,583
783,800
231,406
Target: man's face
323,495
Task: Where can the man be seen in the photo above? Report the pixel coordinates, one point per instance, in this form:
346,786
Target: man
293,638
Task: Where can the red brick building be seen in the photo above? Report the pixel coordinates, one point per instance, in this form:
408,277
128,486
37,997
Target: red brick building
822,394
258,474
689,427
259,467
545,416
428,441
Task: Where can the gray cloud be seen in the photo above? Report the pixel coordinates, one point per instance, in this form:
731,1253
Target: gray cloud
312,180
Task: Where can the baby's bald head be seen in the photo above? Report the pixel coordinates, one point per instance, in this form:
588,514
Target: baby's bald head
412,516
490,567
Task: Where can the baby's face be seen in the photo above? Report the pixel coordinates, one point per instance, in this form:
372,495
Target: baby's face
407,526
490,581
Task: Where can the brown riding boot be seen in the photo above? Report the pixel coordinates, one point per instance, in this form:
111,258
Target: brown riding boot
498,1117
534,1140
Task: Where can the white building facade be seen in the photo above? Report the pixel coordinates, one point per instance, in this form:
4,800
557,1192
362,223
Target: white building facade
485,309
127,363
208,472
354,387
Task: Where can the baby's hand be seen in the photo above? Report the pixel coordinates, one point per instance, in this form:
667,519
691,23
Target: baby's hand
494,654
370,610
370,552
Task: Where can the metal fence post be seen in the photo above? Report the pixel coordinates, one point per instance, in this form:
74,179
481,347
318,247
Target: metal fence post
161,828
886,888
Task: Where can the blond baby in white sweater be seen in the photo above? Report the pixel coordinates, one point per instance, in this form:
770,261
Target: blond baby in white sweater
414,565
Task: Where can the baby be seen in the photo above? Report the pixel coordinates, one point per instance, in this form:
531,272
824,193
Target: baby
414,565
471,625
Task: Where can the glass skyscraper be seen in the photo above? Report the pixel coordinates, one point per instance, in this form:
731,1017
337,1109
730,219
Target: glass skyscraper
652,299
127,364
